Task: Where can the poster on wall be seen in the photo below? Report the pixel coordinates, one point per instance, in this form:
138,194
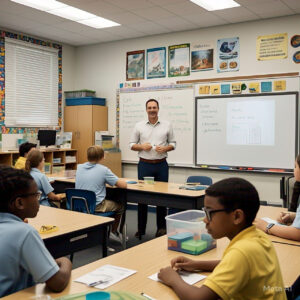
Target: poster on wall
156,62
273,46
228,55
202,57
179,60
295,43
135,65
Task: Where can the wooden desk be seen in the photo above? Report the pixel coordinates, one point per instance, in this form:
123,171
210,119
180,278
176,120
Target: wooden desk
77,231
159,194
273,212
147,259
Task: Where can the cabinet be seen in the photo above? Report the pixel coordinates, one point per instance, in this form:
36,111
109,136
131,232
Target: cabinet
83,121
67,158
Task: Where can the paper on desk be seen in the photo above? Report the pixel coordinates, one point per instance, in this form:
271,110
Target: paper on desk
108,273
188,277
269,220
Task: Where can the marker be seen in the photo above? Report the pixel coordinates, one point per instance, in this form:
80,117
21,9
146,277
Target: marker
276,170
147,296
224,167
204,166
250,169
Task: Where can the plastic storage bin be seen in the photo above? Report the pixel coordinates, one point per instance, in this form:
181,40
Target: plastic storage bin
79,94
187,233
85,101
149,180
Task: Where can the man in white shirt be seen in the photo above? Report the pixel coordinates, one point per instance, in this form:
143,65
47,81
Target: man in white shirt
152,139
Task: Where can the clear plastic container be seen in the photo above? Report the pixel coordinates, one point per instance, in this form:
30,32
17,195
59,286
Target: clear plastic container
149,180
187,232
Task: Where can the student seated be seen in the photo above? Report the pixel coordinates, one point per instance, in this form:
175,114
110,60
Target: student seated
35,165
93,176
249,268
25,261
292,231
23,150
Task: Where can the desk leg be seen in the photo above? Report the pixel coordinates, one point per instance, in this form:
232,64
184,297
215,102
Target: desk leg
103,241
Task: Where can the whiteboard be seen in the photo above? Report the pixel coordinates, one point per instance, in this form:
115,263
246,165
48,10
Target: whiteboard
256,131
175,105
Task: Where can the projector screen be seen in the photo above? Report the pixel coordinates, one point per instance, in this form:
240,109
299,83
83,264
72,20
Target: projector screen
256,131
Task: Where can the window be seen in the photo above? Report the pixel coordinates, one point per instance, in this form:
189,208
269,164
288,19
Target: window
31,85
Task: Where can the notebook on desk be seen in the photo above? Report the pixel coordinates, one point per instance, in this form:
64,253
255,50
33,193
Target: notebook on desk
193,187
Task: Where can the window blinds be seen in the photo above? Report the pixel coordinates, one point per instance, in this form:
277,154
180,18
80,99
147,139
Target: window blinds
31,85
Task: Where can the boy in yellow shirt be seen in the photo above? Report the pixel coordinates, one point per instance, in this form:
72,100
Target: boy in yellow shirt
249,268
24,149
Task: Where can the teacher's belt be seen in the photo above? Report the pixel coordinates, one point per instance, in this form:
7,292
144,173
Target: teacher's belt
152,161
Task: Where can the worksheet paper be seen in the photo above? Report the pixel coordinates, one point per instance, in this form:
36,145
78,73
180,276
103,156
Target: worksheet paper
188,277
106,275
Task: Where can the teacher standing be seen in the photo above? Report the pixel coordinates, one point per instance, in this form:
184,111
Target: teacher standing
152,139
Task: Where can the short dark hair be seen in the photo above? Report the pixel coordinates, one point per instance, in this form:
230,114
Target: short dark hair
152,100
25,148
12,183
234,193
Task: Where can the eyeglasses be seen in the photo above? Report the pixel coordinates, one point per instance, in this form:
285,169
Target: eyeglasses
37,194
209,212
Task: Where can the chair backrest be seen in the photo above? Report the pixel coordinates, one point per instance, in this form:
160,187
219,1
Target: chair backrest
81,200
204,180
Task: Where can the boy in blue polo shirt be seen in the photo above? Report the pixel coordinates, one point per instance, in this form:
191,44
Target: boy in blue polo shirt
93,176
24,258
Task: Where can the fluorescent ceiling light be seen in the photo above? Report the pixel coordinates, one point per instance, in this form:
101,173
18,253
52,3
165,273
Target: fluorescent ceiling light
68,12
41,4
71,13
98,22
216,4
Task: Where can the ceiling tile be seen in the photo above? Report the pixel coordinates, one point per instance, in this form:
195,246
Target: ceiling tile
176,23
166,2
205,19
271,9
236,14
293,4
153,13
257,3
125,31
149,27
126,18
184,8
131,4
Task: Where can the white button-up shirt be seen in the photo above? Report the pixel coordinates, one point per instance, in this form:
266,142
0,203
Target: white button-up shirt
158,134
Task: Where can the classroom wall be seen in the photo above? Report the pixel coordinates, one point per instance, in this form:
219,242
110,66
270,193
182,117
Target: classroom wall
102,67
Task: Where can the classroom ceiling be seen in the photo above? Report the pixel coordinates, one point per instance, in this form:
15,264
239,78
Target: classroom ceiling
138,18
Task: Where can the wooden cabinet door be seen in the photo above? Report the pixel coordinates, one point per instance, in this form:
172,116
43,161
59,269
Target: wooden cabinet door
71,123
100,119
85,138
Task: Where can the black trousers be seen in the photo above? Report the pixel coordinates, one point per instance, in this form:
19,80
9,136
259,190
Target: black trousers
160,172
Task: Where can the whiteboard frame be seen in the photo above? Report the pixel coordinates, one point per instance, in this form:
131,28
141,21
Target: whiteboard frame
235,168
155,89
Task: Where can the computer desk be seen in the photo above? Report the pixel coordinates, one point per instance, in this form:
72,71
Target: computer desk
76,231
147,259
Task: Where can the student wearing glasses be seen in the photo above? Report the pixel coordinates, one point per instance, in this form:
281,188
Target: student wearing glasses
25,261
249,268
35,166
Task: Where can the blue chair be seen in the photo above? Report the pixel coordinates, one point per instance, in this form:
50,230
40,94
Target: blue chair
85,201
203,180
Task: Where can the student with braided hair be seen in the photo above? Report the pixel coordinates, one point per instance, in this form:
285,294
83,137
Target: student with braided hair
24,258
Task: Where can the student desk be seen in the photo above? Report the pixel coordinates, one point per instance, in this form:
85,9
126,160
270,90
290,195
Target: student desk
77,231
158,194
147,259
273,212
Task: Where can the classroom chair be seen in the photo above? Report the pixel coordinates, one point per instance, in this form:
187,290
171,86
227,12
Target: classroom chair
203,180
85,201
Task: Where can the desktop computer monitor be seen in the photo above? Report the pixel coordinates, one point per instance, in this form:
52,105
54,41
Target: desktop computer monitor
47,137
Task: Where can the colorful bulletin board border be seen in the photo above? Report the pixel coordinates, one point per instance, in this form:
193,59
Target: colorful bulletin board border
21,37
